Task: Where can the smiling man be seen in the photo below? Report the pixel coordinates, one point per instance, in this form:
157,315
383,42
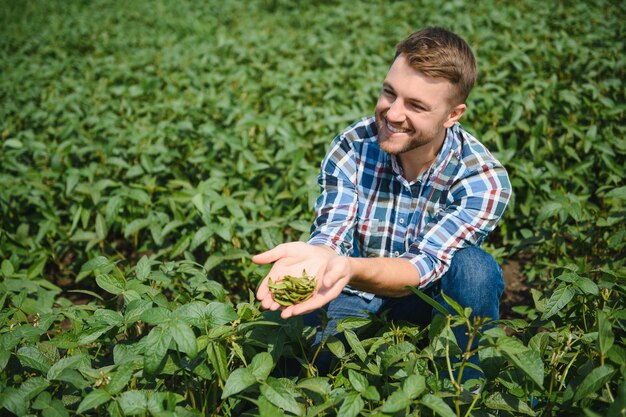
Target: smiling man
407,197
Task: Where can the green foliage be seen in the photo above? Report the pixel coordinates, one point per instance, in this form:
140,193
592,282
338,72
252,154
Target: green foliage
147,149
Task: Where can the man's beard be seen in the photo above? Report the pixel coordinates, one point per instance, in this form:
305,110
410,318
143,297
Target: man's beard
413,141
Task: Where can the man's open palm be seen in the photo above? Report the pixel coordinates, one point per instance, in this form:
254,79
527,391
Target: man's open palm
332,273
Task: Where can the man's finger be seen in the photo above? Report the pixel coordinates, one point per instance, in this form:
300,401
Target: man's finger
270,256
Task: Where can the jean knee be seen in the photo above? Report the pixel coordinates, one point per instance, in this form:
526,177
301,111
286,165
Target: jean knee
474,268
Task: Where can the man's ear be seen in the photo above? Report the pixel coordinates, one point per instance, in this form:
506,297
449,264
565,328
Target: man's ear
454,115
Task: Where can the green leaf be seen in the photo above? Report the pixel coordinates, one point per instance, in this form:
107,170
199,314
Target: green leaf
142,270
593,381
31,357
261,365
319,385
217,314
529,362
184,337
33,386
455,306
110,283
437,405
507,402
217,357
133,402
414,385
434,304
355,344
120,378
358,381
238,380
156,315
336,347
559,299
70,362
158,341
7,268
279,395
605,333
397,401
352,405
94,399
99,263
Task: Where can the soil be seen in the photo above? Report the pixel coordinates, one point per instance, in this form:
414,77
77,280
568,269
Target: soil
516,290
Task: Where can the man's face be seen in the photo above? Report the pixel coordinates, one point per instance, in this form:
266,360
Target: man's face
413,110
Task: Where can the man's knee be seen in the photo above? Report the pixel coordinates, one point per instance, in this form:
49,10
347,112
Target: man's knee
473,268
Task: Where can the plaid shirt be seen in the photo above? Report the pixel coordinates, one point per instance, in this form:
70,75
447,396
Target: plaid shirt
368,209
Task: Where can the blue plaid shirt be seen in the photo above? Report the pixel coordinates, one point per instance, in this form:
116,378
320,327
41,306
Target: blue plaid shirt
368,209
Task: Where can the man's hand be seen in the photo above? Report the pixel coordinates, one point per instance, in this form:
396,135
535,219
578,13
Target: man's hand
332,273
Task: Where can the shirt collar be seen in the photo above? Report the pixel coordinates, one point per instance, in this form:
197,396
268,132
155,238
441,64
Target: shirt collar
451,147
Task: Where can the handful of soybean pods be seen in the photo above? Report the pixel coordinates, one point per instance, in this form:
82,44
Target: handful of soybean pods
292,290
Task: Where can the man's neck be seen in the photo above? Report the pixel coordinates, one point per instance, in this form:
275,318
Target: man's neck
417,161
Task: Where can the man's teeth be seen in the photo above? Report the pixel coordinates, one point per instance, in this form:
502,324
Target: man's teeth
394,130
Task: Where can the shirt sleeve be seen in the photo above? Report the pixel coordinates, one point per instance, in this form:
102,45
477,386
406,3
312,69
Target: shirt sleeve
336,207
478,203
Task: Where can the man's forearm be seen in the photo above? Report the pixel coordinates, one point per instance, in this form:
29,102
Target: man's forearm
387,277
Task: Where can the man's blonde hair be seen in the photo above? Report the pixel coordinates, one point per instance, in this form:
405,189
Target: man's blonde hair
439,53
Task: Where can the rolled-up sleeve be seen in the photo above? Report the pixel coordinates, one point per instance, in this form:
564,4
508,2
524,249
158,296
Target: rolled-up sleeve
336,207
478,203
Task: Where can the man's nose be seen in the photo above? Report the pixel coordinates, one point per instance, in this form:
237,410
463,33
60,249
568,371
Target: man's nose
396,112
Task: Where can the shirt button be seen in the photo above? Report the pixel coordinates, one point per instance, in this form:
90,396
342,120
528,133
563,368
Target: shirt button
396,254
401,221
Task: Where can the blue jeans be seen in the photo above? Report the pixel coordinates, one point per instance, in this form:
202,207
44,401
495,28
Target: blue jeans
474,280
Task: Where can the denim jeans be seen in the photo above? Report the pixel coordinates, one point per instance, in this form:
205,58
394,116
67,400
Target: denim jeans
474,280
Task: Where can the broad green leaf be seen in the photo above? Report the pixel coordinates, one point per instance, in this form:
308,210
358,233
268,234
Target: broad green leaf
217,357
237,381
261,365
69,362
30,356
7,268
133,402
605,333
319,385
156,315
217,314
276,392
437,405
142,270
529,362
158,342
94,399
559,299
14,401
508,402
33,386
120,378
267,409
110,283
358,381
336,347
594,381
414,385
355,344
397,401
352,405
185,337
99,263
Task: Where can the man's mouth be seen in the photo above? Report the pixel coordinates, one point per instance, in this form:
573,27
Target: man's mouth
395,129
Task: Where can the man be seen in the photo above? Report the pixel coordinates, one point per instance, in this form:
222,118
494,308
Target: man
407,197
